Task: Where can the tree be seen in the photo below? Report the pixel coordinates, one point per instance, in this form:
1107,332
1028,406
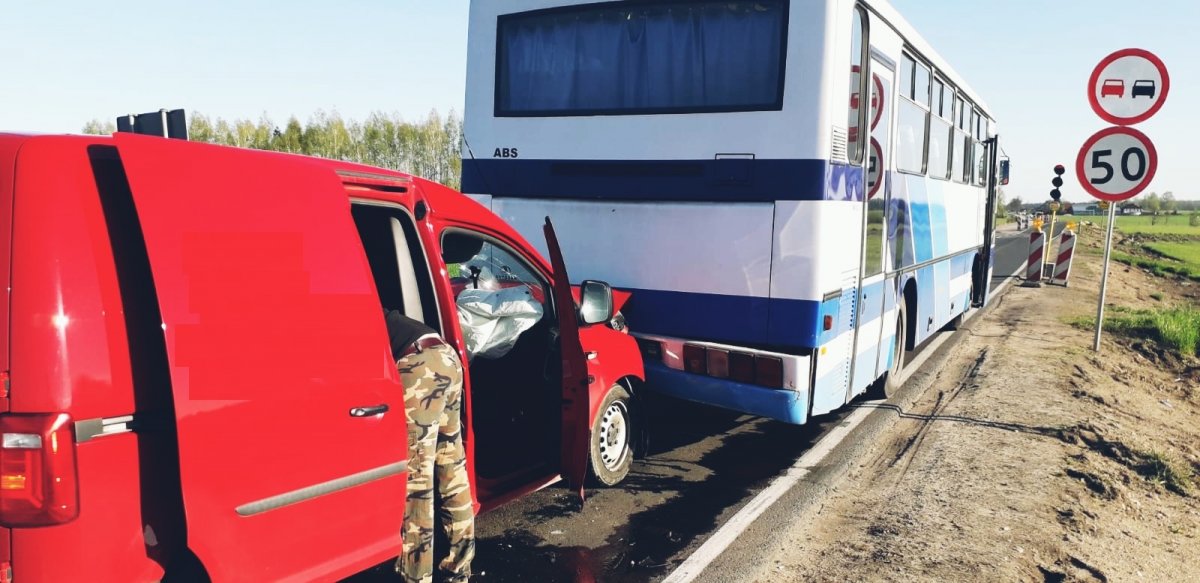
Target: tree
1152,203
1014,205
1169,203
99,128
428,148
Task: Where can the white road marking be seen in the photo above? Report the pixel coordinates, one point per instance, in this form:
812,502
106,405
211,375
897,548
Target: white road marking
720,540
731,530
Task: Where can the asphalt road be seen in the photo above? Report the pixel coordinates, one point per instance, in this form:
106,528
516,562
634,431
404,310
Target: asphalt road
703,465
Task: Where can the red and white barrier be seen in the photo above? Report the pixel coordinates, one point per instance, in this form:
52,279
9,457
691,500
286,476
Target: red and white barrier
1037,243
1062,267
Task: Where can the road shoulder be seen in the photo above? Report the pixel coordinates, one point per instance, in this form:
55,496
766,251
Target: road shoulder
1028,458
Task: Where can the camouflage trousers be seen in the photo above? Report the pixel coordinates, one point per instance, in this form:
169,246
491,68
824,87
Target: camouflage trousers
437,466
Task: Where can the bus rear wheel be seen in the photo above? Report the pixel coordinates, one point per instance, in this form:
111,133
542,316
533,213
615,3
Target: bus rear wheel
889,385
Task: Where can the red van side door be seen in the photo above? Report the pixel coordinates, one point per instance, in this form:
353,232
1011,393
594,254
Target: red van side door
576,425
290,416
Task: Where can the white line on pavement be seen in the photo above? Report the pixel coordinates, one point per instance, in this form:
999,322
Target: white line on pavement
721,539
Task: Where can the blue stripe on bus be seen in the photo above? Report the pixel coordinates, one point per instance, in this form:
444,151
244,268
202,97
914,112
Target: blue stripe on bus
788,323
724,318
935,197
919,219
779,404
755,180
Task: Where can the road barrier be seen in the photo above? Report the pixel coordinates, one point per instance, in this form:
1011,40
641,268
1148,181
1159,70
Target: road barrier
1062,267
1033,272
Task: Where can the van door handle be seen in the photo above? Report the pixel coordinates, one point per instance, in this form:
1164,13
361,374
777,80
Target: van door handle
369,411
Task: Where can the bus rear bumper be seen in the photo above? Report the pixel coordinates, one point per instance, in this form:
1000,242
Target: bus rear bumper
779,404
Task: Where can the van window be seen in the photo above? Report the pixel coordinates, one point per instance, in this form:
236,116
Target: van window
497,294
510,334
398,261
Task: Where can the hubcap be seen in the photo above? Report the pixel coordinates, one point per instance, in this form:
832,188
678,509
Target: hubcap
614,435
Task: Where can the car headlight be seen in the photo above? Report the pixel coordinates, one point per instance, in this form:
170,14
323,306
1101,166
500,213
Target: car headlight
618,323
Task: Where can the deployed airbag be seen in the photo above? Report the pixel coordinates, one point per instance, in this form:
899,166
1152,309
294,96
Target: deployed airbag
492,320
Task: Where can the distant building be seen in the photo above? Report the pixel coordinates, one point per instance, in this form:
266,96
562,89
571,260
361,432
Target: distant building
1131,208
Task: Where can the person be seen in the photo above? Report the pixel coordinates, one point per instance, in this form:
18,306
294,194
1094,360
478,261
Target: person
432,375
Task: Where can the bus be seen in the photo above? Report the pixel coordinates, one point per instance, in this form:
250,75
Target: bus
796,192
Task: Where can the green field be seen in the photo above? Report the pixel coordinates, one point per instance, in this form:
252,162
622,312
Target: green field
1172,225
1188,252
1166,225
1183,256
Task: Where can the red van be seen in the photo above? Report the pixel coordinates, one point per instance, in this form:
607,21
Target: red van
196,373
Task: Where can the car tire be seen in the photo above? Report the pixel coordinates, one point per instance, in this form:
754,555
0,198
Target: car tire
610,451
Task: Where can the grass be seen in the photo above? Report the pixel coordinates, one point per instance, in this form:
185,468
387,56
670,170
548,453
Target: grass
1159,267
1158,468
1187,253
1157,296
1177,328
1166,225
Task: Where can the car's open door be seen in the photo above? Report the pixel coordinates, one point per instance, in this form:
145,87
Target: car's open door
287,404
576,427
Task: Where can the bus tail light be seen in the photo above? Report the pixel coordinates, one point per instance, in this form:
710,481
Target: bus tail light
38,479
741,367
718,363
768,371
651,349
694,359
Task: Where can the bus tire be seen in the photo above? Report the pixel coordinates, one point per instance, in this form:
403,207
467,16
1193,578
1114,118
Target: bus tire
957,321
610,453
890,385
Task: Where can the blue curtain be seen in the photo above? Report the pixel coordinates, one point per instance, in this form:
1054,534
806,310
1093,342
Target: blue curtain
706,55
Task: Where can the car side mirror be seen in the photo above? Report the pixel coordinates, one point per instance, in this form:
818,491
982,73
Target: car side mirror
595,302
1003,172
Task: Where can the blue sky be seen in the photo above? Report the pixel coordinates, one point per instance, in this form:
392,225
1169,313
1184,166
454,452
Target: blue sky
67,62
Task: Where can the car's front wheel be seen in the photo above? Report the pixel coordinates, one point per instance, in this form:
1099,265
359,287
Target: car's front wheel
611,450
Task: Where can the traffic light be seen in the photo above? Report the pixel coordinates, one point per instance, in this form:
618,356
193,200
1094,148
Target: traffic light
1057,182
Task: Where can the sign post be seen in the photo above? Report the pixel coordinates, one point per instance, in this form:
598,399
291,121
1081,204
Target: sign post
1116,163
1112,218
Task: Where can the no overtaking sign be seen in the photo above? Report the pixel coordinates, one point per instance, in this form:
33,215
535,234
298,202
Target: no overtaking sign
1127,87
1116,163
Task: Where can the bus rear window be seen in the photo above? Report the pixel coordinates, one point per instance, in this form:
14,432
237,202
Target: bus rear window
625,58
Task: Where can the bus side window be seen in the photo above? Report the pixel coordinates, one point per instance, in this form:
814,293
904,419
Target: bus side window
874,238
913,124
858,68
941,130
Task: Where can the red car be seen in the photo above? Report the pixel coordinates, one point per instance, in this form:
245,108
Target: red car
197,380
1112,87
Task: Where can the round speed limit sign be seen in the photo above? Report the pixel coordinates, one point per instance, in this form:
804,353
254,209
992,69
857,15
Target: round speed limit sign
1116,163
